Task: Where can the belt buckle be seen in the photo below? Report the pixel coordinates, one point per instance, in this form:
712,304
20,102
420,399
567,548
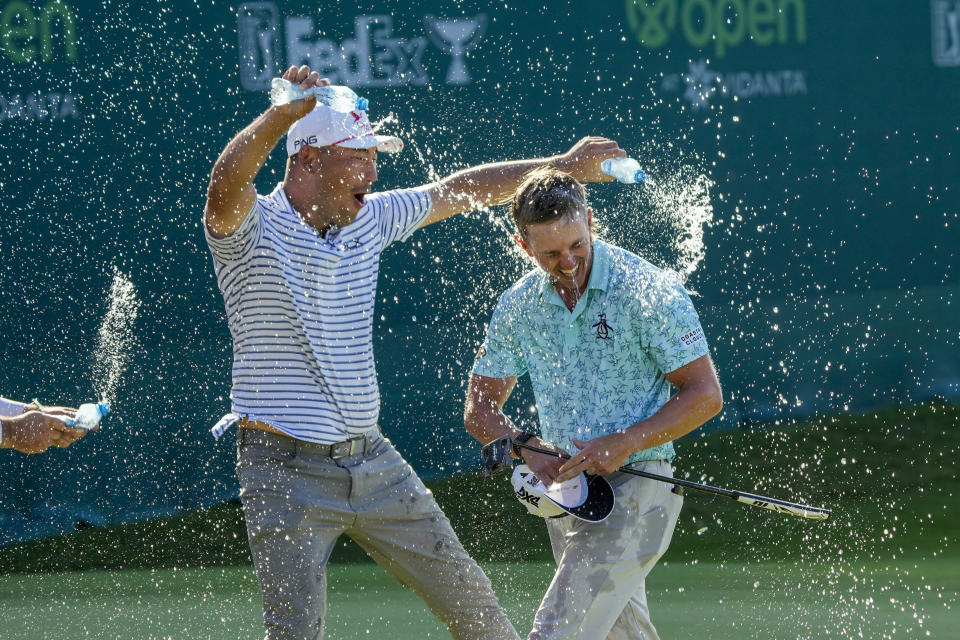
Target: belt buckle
340,449
348,447
358,445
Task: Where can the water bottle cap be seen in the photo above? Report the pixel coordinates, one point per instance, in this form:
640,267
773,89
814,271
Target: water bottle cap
640,176
103,408
362,104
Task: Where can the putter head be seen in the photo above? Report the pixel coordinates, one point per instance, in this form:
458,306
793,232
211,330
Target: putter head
496,456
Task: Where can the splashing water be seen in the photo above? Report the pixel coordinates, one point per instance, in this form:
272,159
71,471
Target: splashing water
115,339
684,200
669,215
389,119
511,258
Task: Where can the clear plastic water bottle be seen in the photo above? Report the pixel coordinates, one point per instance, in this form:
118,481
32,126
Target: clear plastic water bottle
626,170
88,415
337,97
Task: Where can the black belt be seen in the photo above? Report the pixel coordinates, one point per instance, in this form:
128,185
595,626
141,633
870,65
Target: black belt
352,446
349,447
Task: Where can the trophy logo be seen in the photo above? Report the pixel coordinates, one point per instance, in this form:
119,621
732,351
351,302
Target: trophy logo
456,36
946,32
258,30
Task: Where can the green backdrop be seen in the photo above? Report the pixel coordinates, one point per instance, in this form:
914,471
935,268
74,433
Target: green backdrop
810,145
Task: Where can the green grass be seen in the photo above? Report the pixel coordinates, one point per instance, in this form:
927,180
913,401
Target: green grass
763,600
887,564
889,477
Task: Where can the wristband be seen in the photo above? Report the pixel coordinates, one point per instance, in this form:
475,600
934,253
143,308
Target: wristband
520,439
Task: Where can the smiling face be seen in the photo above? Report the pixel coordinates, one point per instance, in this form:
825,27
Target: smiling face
335,180
564,249
345,178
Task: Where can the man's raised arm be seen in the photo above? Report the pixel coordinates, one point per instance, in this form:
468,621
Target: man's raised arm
495,183
231,194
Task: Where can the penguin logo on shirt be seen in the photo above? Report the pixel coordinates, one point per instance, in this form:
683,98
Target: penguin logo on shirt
604,331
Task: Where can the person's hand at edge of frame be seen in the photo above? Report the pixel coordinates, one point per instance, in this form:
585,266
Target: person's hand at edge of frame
37,431
304,78
61,412
55,410
583,159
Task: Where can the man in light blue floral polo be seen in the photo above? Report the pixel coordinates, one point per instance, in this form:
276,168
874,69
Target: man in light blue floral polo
604,336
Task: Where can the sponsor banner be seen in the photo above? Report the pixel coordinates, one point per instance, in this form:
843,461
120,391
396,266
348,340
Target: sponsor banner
376,56
31,32
718,28
945,34
38,106
699,84
37,34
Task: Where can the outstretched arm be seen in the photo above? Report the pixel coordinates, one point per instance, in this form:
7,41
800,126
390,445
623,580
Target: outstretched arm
486,184
231,194
34,429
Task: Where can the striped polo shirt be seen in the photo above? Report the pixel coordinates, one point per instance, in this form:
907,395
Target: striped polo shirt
300,310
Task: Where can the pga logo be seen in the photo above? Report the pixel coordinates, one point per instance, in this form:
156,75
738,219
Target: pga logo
309,140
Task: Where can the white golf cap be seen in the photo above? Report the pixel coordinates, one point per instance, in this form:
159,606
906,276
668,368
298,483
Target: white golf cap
589,498
324,127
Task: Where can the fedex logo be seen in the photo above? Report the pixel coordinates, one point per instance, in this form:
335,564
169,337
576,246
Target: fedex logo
374,57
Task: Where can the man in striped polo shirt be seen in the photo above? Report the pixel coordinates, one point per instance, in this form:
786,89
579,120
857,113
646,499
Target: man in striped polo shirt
298,272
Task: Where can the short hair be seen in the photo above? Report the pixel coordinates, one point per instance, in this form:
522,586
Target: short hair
547,194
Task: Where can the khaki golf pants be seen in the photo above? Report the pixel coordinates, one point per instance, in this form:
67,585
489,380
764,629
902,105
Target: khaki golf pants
298,501
598,590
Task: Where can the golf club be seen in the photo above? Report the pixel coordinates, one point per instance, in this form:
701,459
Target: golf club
496,457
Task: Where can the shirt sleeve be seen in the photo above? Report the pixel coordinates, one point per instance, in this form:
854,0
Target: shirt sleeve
500,355
669,325
11,408
240,242
399,213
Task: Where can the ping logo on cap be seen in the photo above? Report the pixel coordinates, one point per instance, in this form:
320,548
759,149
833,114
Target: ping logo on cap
299,142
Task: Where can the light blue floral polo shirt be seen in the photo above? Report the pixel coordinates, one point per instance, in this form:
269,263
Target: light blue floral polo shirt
600,368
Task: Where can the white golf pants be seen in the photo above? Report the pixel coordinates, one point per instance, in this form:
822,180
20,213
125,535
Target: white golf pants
598,590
